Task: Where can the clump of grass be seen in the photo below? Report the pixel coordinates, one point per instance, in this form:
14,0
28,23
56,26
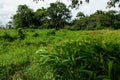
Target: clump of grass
51,32
38,70
8,37
35,35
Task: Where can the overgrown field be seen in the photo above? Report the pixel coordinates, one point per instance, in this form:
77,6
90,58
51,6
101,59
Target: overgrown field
34,54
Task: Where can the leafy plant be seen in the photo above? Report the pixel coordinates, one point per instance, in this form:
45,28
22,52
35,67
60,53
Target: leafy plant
90,60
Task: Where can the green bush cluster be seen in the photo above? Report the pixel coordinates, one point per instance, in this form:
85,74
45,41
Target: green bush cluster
8,37
84,60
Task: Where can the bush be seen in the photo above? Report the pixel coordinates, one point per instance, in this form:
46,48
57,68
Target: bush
51,32
21,35
91,59
35,35
7,37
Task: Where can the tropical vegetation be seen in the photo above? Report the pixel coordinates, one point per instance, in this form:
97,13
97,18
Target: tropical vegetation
47,44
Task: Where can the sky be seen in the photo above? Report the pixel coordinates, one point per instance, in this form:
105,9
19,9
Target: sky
8,7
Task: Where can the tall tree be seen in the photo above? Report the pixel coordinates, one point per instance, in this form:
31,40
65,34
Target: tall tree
117,21
114,18
23,17
58,14
40,17
100,20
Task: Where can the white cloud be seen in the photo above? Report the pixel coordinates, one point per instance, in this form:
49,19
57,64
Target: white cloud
93,6
1,5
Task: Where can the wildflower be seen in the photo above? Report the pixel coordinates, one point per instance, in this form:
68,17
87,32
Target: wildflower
62,42
92,34
50,49
89,42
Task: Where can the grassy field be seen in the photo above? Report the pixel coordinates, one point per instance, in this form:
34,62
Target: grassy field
59,55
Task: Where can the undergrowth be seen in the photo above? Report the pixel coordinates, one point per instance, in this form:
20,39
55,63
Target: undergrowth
59,55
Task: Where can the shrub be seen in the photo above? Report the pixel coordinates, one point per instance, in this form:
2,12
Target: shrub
51,32
7,37
35,35
21,34
86,60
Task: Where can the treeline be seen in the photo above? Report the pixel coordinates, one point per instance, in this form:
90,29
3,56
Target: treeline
55,16
58,16
98,20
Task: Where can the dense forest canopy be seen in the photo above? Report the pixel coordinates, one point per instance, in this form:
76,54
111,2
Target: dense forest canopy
58,16
55,16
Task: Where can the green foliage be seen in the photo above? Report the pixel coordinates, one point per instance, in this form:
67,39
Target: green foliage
59,14
98,20
52,32
21,35
65,55
35,35
89,59
80,15
23,17
82,23
55,16
40,17
8,37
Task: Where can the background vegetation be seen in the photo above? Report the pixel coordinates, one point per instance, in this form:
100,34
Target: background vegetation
58,16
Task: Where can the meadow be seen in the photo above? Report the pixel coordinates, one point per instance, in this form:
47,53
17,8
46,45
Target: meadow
35,54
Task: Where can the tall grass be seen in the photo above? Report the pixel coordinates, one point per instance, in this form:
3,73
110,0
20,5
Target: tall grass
60,55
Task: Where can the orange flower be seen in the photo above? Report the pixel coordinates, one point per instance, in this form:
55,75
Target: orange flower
92,34
62,42
50,48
